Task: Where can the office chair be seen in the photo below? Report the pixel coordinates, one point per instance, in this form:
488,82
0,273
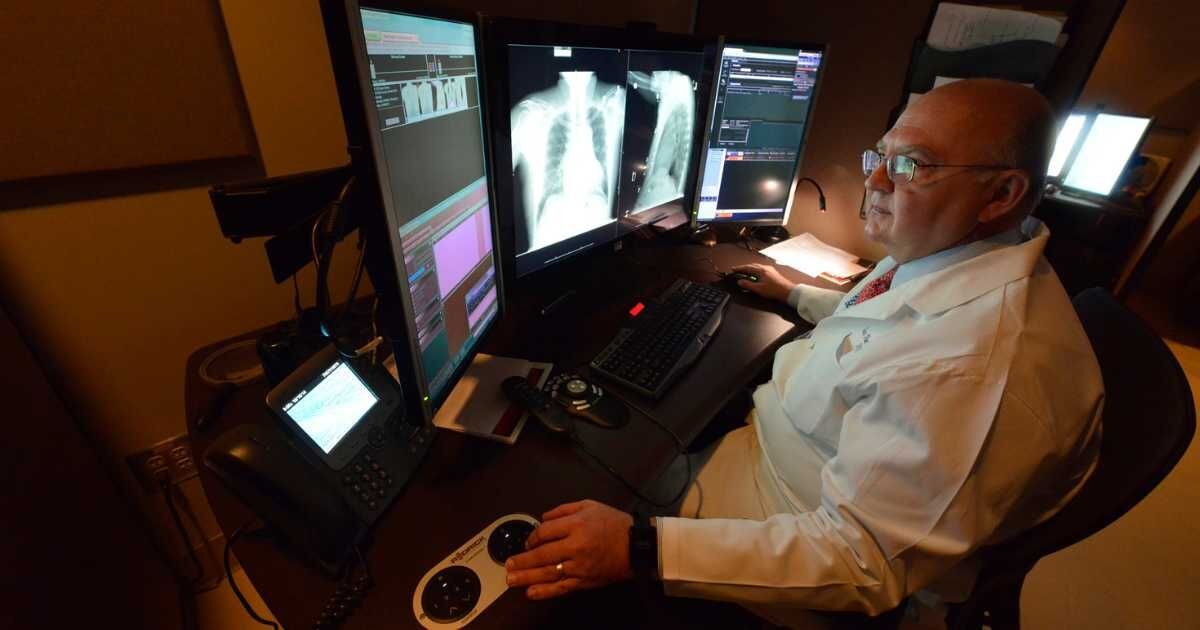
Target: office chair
1148,421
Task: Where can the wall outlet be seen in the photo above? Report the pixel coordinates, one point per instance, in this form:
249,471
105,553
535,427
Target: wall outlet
171,457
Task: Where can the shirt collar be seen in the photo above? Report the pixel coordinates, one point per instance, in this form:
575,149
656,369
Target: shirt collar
937,261
978,267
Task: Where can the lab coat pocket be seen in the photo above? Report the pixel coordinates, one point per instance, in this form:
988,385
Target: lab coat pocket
850,343
811,398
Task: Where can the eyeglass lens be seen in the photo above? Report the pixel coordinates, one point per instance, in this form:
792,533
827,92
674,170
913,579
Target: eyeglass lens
898,166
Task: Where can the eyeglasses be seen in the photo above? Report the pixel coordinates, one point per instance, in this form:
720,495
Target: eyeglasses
902,169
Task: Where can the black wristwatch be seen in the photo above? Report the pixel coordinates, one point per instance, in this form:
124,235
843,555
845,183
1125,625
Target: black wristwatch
643,548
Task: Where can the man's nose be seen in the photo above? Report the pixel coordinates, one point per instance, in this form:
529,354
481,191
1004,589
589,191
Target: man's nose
878,180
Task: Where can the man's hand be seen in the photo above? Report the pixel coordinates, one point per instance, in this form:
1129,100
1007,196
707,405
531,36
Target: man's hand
590,539
771,284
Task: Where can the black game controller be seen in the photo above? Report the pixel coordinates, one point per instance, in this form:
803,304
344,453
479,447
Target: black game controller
587,400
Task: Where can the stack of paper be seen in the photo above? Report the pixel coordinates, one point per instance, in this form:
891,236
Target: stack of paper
477,406
962,27
959,31
807,254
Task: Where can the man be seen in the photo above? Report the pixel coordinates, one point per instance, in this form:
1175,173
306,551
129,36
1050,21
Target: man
947,402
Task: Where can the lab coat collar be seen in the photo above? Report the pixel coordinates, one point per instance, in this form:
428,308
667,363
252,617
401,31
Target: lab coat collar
960,283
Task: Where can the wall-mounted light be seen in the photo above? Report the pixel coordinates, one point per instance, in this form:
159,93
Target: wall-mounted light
820,193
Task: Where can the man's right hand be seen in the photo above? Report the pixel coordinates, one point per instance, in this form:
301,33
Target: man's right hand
771,284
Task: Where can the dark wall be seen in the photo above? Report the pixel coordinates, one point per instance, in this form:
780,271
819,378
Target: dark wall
669,15
72,550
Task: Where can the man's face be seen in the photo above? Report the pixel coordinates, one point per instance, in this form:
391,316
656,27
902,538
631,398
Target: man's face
941,206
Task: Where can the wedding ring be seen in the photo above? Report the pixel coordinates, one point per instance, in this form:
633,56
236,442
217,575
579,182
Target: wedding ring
559,567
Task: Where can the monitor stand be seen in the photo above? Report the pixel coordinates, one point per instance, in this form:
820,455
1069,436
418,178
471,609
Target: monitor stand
711,234
772,233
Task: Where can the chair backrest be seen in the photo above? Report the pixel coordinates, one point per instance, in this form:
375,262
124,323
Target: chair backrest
1149,419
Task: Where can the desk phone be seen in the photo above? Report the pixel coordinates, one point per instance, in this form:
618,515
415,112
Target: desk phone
339,453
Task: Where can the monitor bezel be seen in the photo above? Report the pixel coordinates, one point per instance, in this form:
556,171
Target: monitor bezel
372,150
1078,148
499,33
738,42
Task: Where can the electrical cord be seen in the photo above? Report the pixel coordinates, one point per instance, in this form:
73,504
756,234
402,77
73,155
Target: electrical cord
237,533
715,270
186,506
296,295
637,259
328,222
358,273
347,596
165,484
681,450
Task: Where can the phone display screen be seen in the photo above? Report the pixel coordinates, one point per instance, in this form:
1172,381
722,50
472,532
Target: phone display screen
331,405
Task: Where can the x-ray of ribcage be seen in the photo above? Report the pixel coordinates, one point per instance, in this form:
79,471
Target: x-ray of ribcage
666,165
566,147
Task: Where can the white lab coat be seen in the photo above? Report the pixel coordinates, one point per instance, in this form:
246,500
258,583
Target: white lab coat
907,431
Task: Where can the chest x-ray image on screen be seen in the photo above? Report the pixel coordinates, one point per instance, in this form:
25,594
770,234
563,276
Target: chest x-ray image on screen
660,118
665,164
566,123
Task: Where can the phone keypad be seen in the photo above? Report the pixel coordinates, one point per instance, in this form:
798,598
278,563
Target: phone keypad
368,479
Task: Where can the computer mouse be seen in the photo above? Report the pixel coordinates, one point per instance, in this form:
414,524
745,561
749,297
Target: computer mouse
734,276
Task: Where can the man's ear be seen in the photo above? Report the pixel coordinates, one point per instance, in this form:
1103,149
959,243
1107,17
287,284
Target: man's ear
1007,192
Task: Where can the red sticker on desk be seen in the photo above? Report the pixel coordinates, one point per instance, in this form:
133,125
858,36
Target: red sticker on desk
637,308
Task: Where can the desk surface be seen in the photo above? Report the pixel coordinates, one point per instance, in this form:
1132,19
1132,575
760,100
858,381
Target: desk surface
467,482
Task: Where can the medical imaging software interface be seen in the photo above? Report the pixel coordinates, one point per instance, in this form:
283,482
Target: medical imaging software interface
763,100
330,406
425,79
601,144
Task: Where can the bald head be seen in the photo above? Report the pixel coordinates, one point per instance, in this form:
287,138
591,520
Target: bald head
981,148
996,122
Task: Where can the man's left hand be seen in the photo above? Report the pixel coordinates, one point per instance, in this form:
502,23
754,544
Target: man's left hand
589,539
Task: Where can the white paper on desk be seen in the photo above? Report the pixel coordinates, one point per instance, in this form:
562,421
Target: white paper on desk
476,405
834,279
961,27
812,257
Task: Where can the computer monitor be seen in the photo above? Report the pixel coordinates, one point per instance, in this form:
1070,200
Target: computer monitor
762,100
1066,143
420,122
600,137
1107,146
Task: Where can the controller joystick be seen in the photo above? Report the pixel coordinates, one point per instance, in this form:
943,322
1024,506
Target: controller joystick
451,593
508,539
576,388
587,400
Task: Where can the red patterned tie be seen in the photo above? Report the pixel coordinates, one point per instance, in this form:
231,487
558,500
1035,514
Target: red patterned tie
874,288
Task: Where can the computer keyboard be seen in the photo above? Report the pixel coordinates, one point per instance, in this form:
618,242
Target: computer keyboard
650,354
